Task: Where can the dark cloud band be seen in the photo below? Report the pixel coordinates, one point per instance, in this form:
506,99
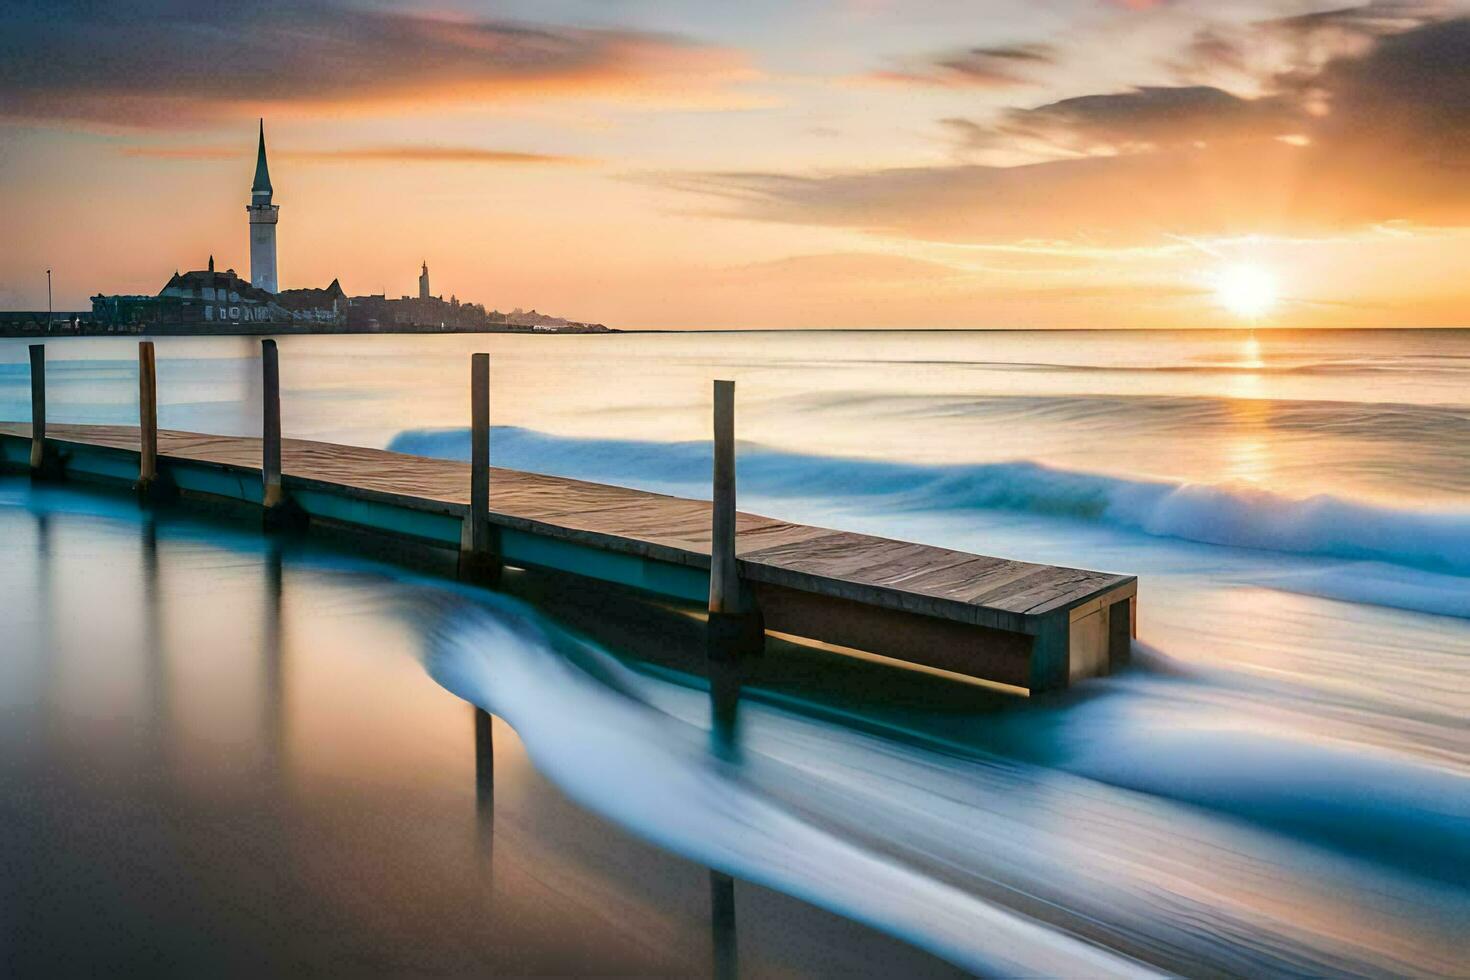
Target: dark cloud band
164,62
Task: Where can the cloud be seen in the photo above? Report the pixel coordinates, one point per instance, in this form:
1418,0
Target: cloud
842,268
1285,50
993,67
441,154
1374,19
187,152
1410,89
1145,118
395,154
1378,136
1109,200
185,63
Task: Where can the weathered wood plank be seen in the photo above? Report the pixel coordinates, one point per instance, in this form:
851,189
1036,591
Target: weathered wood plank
938,582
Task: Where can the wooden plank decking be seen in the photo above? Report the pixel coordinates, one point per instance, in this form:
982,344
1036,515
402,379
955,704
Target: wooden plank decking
892,597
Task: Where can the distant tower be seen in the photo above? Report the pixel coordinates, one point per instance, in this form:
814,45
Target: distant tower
263,218
424,282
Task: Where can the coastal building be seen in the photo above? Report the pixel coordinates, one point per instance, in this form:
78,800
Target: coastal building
324,306
207,299
217,296
263,217
424,282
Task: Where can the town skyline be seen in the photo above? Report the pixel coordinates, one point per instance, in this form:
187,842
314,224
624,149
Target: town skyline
1077,163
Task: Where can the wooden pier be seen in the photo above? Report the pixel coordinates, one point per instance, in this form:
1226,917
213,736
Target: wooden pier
1037,627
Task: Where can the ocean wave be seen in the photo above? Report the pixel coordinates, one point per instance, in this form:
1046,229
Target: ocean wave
964,824
1233,515
1397,365
1429,428
654,774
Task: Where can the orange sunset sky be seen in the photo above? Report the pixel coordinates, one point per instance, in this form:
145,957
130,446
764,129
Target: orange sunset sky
867,163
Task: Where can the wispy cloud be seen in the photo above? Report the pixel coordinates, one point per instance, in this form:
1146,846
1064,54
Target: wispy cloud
1143,118
991,67
842,268
368,154
186,152
443,154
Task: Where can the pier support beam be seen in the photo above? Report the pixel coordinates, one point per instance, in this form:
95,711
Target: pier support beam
735,625
44,463
1122,629
479,558
1051,651
279,509
149,485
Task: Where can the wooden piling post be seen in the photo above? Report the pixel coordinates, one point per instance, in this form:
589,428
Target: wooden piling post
270,428
479,452
39,456
734,623
279,511
724,576
147,419
478,561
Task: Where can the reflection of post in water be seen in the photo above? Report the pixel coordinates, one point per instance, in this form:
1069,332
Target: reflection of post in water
484,772
273,722
46,664
485,810
726,956
153,647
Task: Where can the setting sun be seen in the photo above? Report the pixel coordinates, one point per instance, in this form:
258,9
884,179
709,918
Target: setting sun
1245,290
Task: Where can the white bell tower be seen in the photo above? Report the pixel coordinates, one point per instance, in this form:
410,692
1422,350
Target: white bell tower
263,218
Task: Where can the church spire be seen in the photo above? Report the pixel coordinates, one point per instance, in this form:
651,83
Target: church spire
260,191
263,218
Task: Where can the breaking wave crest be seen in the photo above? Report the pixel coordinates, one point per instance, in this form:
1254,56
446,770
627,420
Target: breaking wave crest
1235,515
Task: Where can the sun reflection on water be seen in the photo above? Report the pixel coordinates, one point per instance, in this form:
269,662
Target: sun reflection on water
1248,452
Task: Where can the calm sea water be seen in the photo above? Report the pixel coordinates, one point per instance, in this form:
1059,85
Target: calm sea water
1281,784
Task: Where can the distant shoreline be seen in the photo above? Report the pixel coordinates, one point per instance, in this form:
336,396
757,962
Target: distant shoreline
62,327
70,325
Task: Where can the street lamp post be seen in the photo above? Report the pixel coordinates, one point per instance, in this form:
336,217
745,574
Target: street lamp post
48,301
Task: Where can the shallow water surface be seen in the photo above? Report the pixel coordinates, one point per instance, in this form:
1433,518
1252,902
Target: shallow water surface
1278,785
221,755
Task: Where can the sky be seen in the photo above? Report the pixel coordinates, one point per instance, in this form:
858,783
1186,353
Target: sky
763,164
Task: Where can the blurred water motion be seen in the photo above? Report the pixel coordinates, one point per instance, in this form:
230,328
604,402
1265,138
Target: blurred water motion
217,748
219,755
242,741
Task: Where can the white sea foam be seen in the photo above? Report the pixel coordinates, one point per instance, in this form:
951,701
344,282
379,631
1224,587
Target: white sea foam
1235,515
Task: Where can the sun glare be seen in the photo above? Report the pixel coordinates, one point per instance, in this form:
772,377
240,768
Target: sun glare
1245,290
